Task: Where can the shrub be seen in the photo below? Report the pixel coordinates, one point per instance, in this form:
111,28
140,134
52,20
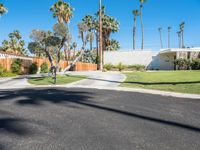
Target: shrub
137,67
1,70
44,68
195,65
183,64
108,66
16,66
120,66
33,68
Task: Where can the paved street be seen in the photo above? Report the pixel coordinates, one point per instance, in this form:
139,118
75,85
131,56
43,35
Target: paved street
90,119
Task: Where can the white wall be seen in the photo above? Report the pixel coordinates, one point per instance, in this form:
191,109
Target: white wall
130,57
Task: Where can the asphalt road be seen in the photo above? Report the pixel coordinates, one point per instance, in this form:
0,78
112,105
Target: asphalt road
89,119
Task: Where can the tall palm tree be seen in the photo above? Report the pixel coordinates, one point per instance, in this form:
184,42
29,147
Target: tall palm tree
179,39
161,42
141,19
136,13
64,12
3,9
182,27
169,31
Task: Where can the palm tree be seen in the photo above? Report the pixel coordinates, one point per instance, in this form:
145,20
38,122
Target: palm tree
141,19
179,39
3,9
182,27
169,31
160,32
64,12
136,13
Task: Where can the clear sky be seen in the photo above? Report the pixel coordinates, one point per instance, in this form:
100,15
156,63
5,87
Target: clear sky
25,15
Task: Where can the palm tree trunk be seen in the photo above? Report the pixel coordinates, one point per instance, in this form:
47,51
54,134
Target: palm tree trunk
169,39
183,45
161,43
134,34
142,25
91,43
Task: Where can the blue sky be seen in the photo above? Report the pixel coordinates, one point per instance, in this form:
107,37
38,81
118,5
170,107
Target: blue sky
26,15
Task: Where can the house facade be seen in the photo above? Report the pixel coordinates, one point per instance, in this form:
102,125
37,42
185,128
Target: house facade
153,60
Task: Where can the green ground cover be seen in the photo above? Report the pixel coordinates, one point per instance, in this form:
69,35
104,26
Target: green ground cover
66,79
175,81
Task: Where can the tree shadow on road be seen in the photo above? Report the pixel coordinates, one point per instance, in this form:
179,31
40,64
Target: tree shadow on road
36,97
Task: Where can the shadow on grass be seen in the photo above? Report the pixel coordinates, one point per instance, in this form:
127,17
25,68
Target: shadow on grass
148,83
36,97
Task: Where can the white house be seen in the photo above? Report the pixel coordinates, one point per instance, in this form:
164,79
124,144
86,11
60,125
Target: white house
153,60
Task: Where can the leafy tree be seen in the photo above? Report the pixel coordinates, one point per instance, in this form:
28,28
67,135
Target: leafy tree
51,43
15,44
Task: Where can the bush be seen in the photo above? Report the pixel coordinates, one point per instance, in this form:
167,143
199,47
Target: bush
108,66
120,66
183,64
16,66
33,68
195,65
137,67
44,68
1,70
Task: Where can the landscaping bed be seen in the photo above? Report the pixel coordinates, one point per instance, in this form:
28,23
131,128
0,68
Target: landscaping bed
174,81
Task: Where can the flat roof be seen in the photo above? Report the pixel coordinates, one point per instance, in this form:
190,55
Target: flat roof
174,50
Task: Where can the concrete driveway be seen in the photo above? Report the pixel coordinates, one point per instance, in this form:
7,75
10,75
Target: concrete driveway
91,119
95,79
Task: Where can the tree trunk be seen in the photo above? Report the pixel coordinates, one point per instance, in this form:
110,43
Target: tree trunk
183,45
142,25
91,43
161,43
134,34
169,40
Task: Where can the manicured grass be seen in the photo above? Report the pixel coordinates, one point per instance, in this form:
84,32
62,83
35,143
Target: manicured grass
66,79
175,81
8,74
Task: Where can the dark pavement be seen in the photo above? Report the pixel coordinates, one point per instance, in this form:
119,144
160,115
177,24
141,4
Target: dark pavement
89,119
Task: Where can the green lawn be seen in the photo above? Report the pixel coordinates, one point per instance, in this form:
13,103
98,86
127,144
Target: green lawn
175,81
66,79
8,74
